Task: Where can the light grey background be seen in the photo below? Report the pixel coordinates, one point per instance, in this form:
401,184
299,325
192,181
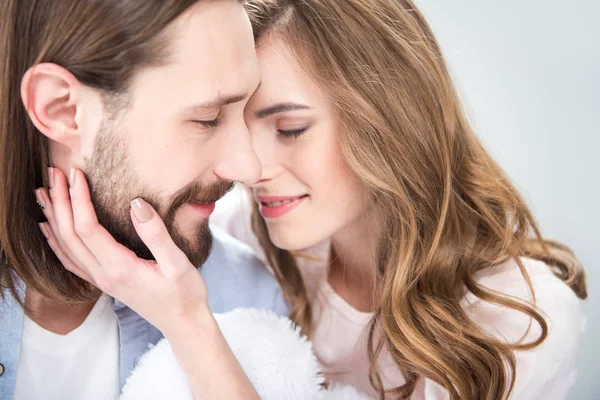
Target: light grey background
529,74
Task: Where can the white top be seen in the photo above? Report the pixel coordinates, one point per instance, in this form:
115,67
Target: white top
84,364
545,372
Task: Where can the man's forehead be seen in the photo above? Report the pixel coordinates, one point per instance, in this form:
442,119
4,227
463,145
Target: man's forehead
216,46
211,25
212,60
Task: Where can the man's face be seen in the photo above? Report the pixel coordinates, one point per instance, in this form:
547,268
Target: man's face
181,138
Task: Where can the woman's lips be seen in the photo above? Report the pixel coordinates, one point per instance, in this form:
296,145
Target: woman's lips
205,209
277,206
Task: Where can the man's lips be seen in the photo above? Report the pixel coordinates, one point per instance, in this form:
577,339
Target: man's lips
205,209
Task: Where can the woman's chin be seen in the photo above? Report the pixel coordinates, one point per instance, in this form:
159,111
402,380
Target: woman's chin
294,241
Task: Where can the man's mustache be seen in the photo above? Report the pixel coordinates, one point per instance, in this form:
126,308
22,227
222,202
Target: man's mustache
197,193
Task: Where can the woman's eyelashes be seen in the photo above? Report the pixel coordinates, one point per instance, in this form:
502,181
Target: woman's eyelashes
292,133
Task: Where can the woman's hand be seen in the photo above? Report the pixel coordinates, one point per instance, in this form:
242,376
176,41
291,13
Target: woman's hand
168,292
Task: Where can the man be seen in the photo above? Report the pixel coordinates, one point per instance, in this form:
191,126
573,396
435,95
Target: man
147,98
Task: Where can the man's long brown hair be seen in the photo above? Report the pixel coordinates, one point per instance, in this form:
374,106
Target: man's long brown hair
102,43
449,210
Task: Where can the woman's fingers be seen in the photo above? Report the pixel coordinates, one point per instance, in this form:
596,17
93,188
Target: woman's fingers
48,229
94,236
75,211
162,291
60,216
62,257
45,203
87,249
153,232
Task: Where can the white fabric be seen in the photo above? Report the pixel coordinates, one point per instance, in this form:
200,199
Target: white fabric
277,359
84,364
339,337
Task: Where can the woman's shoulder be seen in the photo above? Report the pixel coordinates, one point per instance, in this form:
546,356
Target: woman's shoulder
553,297
509,279
539,370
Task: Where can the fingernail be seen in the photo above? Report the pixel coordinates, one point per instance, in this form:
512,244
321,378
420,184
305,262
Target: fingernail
50,177
44,231
141,210
40,199
72,177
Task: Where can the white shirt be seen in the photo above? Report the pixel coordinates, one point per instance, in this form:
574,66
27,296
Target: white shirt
545,372
83,364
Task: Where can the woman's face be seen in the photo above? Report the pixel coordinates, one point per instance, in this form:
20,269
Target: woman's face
306,193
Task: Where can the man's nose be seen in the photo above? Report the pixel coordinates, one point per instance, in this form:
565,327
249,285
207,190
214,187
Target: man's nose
238,161
265,149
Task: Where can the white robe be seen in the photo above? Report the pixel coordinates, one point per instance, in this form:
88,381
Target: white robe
278,360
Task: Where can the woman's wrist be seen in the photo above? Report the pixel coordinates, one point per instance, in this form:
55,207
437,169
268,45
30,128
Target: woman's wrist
203,353
190,325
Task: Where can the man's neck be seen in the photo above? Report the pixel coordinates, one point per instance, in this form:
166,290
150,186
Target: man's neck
56,317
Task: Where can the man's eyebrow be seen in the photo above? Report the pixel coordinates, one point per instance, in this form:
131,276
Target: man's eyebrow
279,108
219,102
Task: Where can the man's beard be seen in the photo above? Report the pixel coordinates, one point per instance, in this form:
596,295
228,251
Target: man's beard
113,185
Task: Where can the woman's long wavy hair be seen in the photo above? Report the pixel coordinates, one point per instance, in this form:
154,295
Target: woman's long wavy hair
449,210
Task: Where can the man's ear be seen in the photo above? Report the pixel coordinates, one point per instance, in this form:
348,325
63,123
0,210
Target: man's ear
53,98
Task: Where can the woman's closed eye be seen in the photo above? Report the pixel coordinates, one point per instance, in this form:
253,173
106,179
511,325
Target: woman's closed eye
291,133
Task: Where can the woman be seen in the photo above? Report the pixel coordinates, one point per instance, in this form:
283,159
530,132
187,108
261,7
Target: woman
406,254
